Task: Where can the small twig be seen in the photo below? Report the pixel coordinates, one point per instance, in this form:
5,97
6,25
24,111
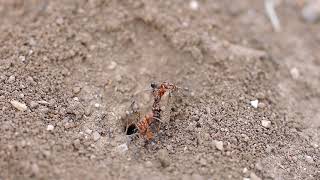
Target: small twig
270,10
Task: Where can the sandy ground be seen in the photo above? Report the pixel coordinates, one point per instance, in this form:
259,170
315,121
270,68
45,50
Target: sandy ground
69,70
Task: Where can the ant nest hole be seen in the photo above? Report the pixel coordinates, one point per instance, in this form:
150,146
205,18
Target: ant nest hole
130,129
128,124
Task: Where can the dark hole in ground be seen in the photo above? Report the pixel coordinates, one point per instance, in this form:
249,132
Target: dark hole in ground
131,129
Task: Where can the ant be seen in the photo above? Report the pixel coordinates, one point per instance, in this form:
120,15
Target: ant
150,124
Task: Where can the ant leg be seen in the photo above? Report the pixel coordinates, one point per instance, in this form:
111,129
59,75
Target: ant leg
157,119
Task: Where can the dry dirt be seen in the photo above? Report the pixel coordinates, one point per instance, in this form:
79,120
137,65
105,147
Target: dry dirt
76,65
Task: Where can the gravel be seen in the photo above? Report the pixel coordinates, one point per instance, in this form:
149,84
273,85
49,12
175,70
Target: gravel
11,79
253,176
50,127
266,123
309,159
76,89
18,105
88,131
219,145
122,148
254,103
96,136
112,65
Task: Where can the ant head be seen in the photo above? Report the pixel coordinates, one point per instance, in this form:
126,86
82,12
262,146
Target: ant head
153,85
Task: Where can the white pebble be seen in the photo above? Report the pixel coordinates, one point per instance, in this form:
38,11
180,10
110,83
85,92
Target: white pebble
88,131
96,136
97,105
245,170
219,145
22,58
253,176
194,5
122,148
43,102
266,123
112,65
11,79
33,104
315,145
254,103
18,105
309,159
50,127
294,73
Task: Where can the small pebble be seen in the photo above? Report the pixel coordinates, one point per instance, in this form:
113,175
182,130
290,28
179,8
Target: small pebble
44,110
309,159
18,105
245,170
269,149
59,20
122,148
43,102
50,127
11,79
52,102
228,153
112,65
96,136
266,123
30,79
295,74
76,143
261,105
219,145
258,166
253,176
76,89
315,145
68,125
194,5
22,58
254,103
97,105
23,143
92,156
208,110
245,137
46,153
87,111
88,131
163,157
33,104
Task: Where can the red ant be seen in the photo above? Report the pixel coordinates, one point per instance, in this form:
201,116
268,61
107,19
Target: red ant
150,124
